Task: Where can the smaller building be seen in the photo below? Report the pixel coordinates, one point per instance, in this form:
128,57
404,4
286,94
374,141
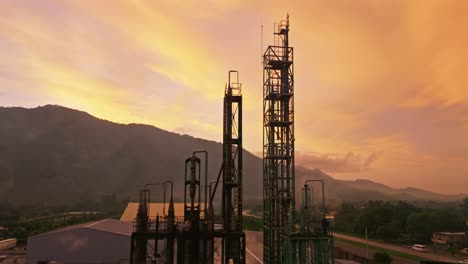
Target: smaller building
104,241
447,240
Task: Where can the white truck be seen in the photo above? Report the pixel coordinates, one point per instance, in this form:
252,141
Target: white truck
418,247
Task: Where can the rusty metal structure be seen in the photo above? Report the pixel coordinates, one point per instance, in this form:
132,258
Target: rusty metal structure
308,235
278,140
233,241
167,238
191,238
290,235
153,232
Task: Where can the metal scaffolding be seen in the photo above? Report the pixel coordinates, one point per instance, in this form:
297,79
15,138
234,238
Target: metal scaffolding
278,140
232,171
308,235
291,235
191,238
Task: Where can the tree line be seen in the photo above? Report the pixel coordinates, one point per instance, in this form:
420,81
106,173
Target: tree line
23,221
400,221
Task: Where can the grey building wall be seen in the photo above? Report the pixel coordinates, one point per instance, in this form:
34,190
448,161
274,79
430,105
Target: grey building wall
80,245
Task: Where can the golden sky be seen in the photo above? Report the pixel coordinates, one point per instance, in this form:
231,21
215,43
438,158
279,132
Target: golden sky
380,85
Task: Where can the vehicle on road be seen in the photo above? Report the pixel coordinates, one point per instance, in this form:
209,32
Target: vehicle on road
463,261
418,247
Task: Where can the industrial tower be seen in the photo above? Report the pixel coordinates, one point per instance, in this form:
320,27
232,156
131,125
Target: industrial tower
190,239
278,140
291,235
233,241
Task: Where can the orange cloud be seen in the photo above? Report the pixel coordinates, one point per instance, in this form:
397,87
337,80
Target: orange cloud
371,76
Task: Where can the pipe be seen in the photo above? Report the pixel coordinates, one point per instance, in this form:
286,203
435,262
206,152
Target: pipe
156,253
212,193
221,170
206,174
171,201
164,193
210,246
172,187
170,226
323,193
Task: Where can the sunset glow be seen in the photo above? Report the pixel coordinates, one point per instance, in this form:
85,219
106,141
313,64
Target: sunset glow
381,86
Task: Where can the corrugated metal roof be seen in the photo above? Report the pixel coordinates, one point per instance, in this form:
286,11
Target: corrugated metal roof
113,226
105,225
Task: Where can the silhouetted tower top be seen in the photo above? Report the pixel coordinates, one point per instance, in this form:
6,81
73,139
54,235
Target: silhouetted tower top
282,30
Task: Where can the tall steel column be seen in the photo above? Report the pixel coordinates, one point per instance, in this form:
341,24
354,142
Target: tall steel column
278,140
232,171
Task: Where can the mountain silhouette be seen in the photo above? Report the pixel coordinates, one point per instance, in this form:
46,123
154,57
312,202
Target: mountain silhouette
52,154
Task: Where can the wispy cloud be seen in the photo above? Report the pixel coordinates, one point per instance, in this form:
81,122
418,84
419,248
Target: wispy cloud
382,83
336,163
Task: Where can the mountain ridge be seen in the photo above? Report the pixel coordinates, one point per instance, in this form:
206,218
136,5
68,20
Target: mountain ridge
69,154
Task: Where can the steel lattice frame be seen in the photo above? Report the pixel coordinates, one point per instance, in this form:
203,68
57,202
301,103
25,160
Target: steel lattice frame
278,141
233,244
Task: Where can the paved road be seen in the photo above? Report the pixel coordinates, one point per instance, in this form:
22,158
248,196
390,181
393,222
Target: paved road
254,242
254,247
360,251
247,213
426,255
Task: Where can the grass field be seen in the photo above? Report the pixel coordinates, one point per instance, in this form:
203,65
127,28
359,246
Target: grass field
252,223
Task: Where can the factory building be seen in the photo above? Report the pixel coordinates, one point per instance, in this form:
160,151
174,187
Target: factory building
448,240
104,241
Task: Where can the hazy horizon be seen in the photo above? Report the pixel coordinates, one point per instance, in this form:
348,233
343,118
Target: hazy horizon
379,87
257,154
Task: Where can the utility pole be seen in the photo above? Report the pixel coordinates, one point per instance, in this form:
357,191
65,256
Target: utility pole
367,245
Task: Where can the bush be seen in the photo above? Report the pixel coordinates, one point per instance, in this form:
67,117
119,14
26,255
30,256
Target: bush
381,258
252,223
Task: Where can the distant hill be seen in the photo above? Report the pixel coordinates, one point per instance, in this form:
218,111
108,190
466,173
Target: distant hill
338,191
53,154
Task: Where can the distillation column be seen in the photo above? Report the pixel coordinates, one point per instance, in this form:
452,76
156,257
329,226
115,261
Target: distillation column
278,140
233,244
189,247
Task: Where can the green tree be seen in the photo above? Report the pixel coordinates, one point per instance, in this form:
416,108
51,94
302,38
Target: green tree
389,231
345,216
464,209
381,258
419,226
